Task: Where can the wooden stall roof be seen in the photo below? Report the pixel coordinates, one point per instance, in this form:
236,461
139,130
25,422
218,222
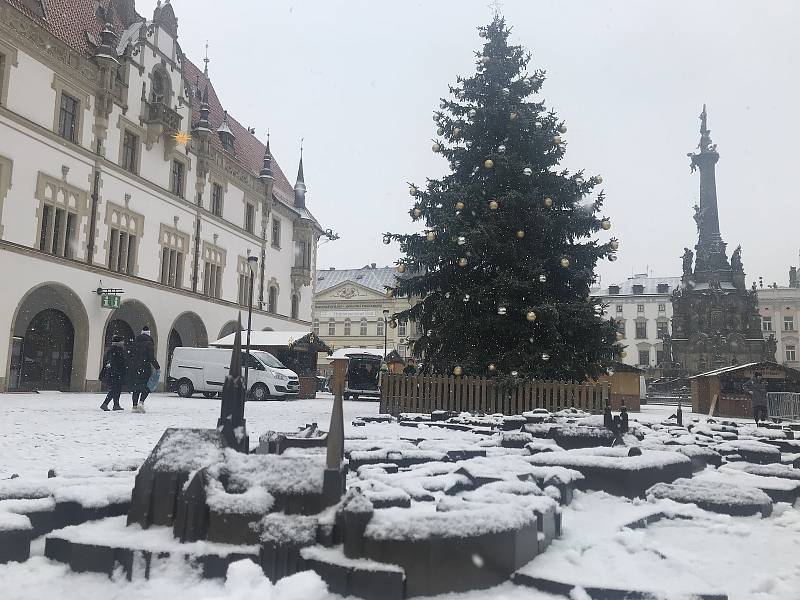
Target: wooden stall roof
788,371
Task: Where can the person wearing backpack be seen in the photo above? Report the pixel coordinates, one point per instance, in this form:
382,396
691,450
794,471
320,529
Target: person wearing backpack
143,361
113,372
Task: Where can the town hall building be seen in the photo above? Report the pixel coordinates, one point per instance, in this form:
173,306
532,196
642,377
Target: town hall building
130,197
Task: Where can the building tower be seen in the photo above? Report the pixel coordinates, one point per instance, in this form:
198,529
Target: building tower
715,319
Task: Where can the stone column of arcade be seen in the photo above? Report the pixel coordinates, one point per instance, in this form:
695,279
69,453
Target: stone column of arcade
335,473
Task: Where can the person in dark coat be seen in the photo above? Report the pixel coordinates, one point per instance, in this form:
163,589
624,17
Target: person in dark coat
757,388
113,372
143,361
411,368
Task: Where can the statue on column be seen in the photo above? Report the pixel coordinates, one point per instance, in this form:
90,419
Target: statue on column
736,260
698,217
688,258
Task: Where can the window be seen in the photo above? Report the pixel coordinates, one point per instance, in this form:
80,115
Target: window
178,183
661,329
276,233
381,325
316,327
272,300
621,327
249,217
57,231
663,288
641,330
613,290
121,251
401,329
659,357
347,326
160,87
331,326
213,265
662,308
174,245
788,323
2,75
638,289
619,308
295,306
766,323
243,270
791,355
216,199
640,308
130,150
362,330
68,117
644,358
302,255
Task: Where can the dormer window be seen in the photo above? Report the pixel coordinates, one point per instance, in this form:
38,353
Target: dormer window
226,135
638,289
663,288
613,290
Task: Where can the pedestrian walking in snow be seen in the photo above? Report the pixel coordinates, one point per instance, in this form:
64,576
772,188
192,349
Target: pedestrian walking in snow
143,361
113,372
757,388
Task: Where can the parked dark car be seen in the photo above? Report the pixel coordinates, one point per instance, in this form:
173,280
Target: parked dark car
363,375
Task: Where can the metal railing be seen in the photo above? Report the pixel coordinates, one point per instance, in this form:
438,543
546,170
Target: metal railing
160,113
783,406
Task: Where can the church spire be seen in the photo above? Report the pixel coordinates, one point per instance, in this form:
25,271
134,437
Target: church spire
300,185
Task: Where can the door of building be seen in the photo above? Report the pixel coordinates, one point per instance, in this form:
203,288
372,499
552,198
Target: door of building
47,352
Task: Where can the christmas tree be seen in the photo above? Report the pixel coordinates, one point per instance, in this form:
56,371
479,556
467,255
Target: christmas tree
505,263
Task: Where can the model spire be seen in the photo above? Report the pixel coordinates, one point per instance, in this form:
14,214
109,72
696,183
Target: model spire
300,185
266,167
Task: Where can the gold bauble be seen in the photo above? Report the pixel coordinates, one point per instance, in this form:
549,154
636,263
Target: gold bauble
488,163
393,324
462,262
531,316
492,368
493,205
605,224
486,60
417,212
520,234
623,354
456,131
457,371
620,336
412,191
401,268
556,139
548,202
598,179
565,262
513,116
459,205
440,131
436,147
563,129
614,245
430,236
389,292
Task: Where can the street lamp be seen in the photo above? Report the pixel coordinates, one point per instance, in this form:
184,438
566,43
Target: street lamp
251,263
385,332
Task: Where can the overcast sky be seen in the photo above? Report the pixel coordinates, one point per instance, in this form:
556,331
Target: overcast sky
359,80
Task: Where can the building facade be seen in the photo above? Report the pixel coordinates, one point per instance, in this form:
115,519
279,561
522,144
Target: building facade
779,308
121,171
349,307
642,308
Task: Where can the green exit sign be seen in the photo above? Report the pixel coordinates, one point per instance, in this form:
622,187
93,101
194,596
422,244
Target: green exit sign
109,301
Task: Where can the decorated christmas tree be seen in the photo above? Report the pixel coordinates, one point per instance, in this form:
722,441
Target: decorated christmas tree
504,265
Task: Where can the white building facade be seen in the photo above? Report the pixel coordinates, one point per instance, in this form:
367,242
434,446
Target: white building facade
642,307
779,308
120,170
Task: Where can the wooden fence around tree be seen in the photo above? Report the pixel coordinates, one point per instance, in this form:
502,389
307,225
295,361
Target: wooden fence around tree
425,394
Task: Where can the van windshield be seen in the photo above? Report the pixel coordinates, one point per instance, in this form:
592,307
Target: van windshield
268,359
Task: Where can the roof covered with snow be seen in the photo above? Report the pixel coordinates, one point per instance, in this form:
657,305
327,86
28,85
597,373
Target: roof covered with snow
374,278
263,338
649,286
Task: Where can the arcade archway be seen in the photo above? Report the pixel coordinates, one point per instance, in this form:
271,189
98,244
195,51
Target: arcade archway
227,329
50,337
187,330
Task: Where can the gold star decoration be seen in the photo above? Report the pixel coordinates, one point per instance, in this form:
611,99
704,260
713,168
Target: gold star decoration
182,138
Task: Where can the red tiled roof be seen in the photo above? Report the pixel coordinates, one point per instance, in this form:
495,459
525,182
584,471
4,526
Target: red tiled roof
249,150
69,20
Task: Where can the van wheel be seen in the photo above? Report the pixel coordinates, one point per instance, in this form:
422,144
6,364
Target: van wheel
345,397
259,392
355,396
210,394
185,388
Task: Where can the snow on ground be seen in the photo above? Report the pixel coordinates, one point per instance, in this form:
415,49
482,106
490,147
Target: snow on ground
69,431
749,558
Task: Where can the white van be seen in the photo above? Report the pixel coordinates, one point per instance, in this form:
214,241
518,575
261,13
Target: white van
204,370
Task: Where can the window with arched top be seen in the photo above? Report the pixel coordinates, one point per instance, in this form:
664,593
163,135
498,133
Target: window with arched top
362,330
295,305
347,326
160,89
272,300
331,326
381,325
